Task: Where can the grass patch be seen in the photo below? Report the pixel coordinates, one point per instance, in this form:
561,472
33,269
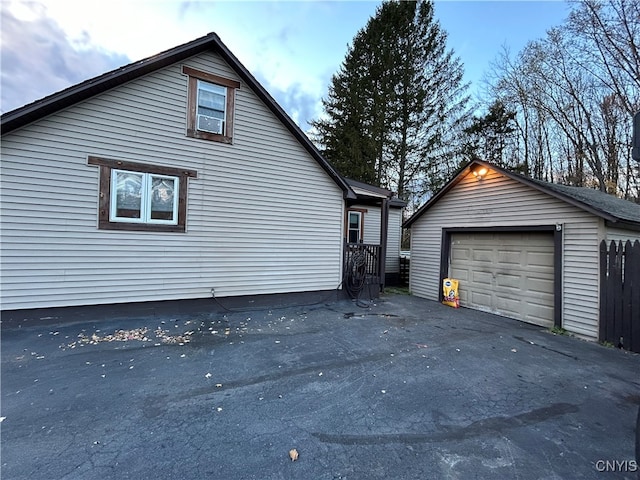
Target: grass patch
558,331
397,291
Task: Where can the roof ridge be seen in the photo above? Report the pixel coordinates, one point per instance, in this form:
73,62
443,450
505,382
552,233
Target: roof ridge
79,92
599,203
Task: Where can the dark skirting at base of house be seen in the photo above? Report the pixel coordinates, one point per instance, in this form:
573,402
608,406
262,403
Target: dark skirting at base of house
392,280
88,313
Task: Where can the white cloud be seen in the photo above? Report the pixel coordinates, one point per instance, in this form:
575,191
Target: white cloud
293,48
38,59
137,28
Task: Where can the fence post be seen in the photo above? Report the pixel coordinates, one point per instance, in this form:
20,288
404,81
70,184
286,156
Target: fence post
614,294
604,279
632,282
625,293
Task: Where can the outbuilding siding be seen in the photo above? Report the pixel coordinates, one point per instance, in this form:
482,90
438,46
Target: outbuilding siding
263,216
498,201
621,235
392,264
371,227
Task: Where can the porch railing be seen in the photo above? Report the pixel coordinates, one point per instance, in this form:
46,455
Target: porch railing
361,266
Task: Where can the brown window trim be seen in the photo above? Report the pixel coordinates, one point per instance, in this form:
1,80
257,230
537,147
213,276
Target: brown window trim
346,222
231,85
104,203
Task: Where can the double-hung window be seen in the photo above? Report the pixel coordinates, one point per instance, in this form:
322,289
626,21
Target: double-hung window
212,106
136,196
354,226
211,100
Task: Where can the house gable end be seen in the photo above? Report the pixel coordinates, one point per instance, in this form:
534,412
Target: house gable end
261,217
560,192
58,101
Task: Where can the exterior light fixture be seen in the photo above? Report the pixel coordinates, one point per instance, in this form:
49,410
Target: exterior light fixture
480,172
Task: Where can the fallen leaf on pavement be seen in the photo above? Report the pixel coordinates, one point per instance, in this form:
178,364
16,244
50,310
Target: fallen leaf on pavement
139,334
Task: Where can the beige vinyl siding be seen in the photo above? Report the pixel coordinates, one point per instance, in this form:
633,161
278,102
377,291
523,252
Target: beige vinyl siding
371,227
392,264
498,201
621,235
263,217
372,233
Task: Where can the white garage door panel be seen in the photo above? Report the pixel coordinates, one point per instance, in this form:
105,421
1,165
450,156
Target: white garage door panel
507,306
482,255
509,274
504,280
476,298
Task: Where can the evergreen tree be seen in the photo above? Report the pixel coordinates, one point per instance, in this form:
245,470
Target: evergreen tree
488,136
395,103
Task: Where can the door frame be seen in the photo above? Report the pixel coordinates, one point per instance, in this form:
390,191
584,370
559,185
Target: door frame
445,253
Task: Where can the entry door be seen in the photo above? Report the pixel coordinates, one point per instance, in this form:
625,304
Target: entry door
507,273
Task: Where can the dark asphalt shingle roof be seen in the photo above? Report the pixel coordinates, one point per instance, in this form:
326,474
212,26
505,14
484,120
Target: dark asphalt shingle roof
604,202
373,188
394,201
604,205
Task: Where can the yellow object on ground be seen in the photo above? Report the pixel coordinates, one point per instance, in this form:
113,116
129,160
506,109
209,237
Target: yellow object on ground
450,292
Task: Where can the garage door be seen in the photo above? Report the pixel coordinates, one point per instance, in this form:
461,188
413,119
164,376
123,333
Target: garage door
510,274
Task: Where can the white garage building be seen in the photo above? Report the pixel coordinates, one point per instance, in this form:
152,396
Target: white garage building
521,248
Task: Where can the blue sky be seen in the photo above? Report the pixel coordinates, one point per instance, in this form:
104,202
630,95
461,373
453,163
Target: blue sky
292,47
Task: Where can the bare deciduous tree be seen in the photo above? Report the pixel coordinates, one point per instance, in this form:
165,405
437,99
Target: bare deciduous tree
575,92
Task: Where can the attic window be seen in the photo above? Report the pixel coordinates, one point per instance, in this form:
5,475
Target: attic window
211,101
135,196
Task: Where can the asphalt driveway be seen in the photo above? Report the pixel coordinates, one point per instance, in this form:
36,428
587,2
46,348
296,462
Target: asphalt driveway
406,389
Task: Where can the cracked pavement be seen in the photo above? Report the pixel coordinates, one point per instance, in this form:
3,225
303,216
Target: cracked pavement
407,388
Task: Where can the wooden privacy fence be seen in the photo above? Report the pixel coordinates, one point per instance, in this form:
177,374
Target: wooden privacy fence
620,294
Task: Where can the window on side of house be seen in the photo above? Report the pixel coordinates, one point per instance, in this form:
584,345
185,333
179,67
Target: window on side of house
354,227
144,198
211,100
136,196
211,110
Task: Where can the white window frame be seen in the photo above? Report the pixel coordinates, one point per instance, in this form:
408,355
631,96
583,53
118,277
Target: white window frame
218,90
349,229
145,200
